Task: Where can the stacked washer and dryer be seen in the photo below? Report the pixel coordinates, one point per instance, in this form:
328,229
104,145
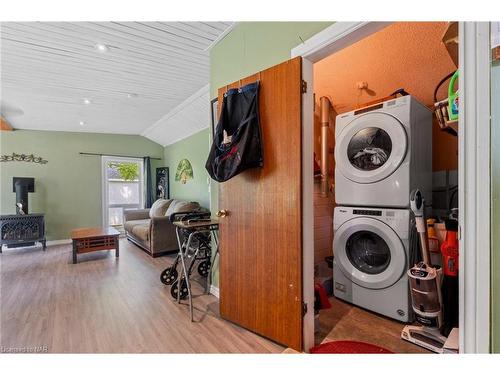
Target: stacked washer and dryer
382,153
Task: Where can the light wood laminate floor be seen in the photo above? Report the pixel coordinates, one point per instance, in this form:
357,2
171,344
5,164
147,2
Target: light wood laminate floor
108,305
344,321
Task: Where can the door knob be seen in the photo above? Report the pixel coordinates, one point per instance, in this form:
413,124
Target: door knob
222,213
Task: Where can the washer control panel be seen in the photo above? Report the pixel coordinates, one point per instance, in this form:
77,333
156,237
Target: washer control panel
397,219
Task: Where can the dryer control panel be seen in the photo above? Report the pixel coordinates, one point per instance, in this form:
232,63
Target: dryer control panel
367,212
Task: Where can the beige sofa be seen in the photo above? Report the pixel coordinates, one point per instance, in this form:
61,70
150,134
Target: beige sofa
151,229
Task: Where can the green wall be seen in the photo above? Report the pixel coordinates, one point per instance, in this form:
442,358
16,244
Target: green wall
68,187
251,47
195,149
495,207
254,46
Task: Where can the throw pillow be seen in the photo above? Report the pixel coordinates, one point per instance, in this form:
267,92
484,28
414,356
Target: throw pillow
159,207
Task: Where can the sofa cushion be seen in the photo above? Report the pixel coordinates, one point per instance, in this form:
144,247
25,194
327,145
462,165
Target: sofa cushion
141,231
181,206
129,225
159,207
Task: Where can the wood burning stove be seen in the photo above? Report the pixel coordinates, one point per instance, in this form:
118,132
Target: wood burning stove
22,229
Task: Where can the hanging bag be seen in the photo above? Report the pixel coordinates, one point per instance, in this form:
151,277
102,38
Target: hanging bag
237,142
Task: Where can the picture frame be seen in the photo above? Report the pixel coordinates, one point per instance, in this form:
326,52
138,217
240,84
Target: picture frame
214,107
162,183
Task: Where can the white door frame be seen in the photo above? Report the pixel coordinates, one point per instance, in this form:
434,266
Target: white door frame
104,186
474,175
474,181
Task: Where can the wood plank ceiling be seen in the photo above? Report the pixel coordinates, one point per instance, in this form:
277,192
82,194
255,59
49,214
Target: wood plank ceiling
53,76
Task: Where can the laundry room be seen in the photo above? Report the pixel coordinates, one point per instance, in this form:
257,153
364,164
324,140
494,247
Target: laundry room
386,191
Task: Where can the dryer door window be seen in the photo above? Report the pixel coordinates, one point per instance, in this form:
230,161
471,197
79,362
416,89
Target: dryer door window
370,148
369,253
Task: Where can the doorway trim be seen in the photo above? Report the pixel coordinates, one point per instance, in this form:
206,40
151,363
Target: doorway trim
334,38
474,172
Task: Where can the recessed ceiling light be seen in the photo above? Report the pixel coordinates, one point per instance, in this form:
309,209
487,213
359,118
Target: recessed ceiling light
132,95
82,123
101,47
86,101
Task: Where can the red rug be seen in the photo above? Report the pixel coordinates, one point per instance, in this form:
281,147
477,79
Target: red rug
348,347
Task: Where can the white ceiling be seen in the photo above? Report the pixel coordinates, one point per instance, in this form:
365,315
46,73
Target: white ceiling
191,116
49,68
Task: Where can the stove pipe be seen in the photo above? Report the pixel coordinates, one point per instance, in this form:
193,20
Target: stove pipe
22,186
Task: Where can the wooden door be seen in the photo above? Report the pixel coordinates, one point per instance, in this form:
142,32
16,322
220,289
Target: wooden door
261,237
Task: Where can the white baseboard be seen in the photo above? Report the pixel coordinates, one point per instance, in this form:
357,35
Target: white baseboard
65,241
214,291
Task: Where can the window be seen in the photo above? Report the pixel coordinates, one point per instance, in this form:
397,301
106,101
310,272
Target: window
123,183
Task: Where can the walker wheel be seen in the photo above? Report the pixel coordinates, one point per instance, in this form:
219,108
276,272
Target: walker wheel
175,288
168,276
204,268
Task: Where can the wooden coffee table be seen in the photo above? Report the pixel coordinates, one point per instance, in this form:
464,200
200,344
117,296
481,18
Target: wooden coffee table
86,240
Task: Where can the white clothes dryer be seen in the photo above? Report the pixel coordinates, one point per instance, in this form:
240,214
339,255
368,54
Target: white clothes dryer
382,153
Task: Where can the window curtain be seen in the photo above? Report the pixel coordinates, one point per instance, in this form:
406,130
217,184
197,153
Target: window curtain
148,182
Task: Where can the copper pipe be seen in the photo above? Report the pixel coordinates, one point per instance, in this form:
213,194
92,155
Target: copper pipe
325,106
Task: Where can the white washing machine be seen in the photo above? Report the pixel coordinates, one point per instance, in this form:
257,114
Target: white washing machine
382,153
371,248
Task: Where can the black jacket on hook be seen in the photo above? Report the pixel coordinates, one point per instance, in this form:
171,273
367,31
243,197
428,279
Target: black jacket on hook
237,142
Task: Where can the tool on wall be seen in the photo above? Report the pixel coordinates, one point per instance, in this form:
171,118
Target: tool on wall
425,288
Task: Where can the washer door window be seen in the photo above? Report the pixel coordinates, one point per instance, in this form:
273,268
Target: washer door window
369,253
371,147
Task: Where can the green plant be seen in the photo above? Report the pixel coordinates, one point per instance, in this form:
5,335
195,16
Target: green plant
127,171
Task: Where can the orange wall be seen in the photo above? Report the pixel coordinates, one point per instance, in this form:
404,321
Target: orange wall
407,55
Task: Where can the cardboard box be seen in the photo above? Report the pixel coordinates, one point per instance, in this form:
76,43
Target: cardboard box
450,40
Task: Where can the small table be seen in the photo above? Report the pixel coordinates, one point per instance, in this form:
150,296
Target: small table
195,226
86,240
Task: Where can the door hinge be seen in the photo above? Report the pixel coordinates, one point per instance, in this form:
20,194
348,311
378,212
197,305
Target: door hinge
304,309
304,87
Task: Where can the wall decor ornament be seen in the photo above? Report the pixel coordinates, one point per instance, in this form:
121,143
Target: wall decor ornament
23,157
162,183
184,171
